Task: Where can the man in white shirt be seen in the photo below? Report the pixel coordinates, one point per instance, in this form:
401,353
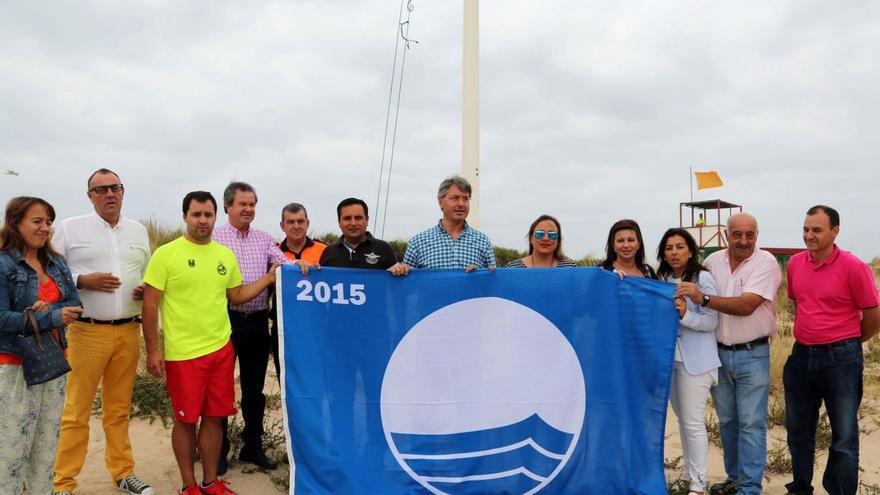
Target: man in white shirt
107,254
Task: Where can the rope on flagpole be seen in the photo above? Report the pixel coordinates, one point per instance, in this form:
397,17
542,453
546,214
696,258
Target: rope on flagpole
388,108
402,34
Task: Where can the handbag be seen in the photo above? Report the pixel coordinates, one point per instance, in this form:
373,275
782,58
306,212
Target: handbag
42,359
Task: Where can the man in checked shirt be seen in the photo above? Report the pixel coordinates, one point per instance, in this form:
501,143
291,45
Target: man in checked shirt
255,251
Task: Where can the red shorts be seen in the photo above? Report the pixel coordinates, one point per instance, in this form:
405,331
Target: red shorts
203,386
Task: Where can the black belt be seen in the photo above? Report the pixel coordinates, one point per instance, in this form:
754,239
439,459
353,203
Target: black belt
120,321
746,345
829,346
246,316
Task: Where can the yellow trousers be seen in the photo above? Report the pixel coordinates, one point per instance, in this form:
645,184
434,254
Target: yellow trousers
105,354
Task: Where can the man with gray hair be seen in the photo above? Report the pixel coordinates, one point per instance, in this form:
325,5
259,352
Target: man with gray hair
747,279
255,251
296,245
452,243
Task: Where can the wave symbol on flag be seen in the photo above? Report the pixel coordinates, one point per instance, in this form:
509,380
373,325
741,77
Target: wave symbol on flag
527,454
484,395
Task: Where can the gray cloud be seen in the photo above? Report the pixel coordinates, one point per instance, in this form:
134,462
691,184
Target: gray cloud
590,111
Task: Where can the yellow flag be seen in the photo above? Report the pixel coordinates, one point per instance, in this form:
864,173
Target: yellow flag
707,180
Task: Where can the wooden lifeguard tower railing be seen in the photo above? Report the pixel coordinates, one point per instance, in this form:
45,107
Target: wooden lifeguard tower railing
706,221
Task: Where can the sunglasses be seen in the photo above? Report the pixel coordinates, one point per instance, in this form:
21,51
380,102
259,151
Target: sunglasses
104,189
552,235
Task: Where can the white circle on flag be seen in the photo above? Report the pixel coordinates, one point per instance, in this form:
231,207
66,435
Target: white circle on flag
480,394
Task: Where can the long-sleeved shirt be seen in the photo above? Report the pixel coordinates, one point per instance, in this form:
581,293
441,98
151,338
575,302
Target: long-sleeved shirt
255,251
91,245
696,346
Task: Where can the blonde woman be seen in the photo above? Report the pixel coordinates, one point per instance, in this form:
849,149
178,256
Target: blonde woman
545,246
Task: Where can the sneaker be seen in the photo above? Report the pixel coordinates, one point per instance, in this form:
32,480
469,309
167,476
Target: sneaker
133,485
727,487
217,487
258,457
65,492
190,490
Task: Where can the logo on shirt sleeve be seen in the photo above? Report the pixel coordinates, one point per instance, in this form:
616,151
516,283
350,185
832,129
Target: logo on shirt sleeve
191,262
221,268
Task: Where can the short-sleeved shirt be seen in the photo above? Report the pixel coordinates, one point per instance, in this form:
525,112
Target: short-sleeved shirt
830,296
560,263
435,248
311,251
193,279
758,274
372,253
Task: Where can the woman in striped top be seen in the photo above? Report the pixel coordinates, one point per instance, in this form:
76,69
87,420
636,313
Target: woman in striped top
545,246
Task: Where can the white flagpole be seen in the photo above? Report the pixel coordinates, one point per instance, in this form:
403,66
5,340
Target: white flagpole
691,170
470,143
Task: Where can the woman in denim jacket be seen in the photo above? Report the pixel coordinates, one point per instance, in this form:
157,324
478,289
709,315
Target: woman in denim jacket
696,353
32,276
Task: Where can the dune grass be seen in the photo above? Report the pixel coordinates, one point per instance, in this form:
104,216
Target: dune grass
160,233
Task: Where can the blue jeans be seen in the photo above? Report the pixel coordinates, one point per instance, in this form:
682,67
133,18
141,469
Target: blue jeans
741,404
832,374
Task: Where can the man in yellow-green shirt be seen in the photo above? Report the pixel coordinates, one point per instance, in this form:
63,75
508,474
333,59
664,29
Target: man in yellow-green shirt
192,280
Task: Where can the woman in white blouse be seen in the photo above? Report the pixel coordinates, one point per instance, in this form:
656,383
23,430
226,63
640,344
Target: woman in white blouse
696,353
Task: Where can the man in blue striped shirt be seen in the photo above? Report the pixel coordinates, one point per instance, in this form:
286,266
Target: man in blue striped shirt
452,243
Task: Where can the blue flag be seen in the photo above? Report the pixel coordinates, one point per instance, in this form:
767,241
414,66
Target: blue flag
551,381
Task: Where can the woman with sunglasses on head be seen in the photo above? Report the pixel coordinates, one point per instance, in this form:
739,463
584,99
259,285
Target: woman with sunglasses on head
545,246
696,353
625,251
36,290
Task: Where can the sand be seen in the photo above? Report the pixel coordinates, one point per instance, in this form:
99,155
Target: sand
156,465
155,462
774,484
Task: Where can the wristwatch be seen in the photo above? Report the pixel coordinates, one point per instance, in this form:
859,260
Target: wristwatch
705,300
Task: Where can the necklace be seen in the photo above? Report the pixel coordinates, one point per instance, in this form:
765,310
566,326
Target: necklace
532,261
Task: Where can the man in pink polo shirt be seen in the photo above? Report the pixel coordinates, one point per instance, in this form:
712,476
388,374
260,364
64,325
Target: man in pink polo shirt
837,309
747,279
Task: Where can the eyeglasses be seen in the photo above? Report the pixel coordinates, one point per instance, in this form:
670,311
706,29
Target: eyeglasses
104,189
552,235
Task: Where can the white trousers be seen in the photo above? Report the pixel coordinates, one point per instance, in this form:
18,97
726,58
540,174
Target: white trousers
688,398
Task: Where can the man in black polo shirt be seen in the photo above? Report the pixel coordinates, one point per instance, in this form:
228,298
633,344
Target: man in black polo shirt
357,248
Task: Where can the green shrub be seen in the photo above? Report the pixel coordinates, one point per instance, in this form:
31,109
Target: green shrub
778,459
713,429
399,248
504,255
776,413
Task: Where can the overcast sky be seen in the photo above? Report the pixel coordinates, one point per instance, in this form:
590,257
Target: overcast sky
591,111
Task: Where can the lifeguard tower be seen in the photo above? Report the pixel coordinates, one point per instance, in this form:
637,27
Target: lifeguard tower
706,221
